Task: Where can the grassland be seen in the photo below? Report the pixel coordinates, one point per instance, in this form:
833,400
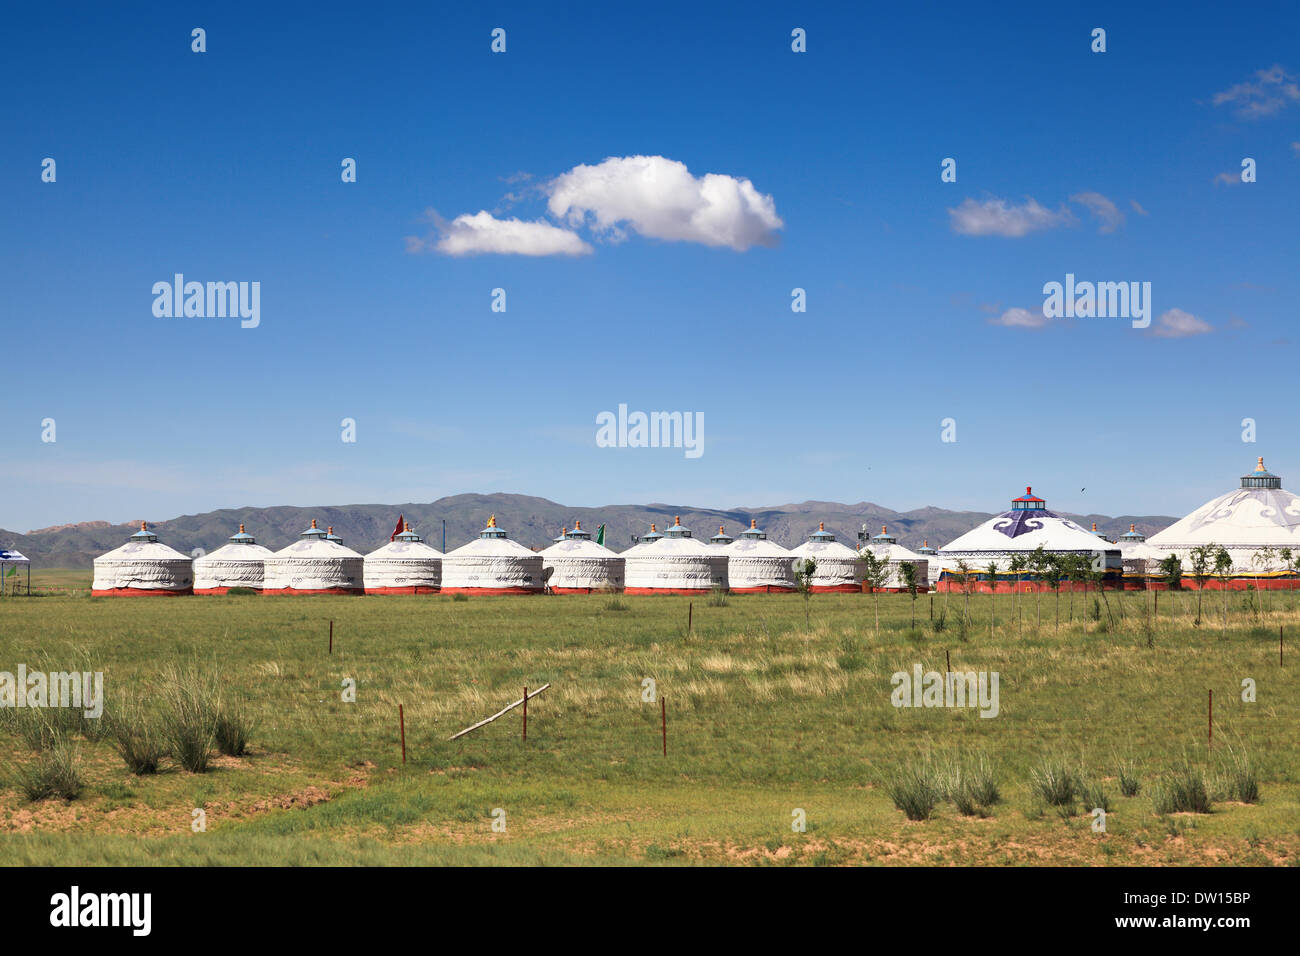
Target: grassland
768,711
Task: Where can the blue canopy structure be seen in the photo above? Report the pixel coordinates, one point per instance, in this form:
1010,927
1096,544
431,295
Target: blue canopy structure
9,562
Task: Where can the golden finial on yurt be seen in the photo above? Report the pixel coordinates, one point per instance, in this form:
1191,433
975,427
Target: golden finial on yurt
1260,466
241,528
821,525
1132,529
577,525
492,521
753,522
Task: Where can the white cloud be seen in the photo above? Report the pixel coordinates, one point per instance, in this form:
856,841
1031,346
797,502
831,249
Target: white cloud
1228,179
1137,208
1177,324
1021,319
997,217
469,235
1102,208
660,198
1270,91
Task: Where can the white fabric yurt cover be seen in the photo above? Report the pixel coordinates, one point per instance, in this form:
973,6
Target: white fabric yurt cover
143,567
492,564
239,564
885,545
314,565
578,565
1248,522
406,565
1020,531
675,563
756,565
1141,561
838,566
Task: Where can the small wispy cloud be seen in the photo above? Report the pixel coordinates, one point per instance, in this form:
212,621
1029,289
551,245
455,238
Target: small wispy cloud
1021,319
999,217
1105,211
1177,324
482,233
1268,92
1227,179
1137,208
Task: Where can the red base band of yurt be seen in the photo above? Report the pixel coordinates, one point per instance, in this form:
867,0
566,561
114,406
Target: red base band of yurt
309,592
764,589
414,589
490,591
219,591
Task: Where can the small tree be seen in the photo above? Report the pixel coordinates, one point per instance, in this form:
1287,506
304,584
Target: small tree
964,570
1038,565
1202,560
1017,567
1263,561
1171,571
875,575
992,572
803,579
1056,565
1223,571
908,572
1287,557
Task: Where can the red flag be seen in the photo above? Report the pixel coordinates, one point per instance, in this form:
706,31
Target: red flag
401,526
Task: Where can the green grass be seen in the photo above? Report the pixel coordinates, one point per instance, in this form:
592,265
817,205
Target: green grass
765,714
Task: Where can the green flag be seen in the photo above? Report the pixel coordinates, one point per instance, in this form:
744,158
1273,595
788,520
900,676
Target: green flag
600,535
13,569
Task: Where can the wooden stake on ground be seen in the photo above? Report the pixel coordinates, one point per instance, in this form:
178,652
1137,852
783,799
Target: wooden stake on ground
1279,645
690,613
401,722
1210,725
947,660
503,711
525,713
663,717
331,637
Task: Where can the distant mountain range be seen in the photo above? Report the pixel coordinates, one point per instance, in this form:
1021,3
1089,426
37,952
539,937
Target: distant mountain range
531,521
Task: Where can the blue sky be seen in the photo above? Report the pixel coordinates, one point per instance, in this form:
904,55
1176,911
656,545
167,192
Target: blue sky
225,166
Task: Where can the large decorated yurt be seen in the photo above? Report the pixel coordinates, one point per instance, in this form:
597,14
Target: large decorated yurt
838,567
1021,531
578,565
314,565
886,546
756,565
239,564
674,563
406,565
492,564
1252,523
1141,561
143,567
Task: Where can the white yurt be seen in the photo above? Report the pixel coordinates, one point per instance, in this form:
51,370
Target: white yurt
577,565
838,566
1141,561
756,565
406,565
239,564
885,545
1252,522
492,564
143,567
934,567
1020,531
674,563
314,565
721,539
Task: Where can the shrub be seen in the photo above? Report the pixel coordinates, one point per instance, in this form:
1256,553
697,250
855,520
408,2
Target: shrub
241,592
1241,782
718,597
55,773
1129,784
460,597
232,728
1055,783
915,791
1182,790
615,603
190,708
1093,795
971,784
137,738
39,728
